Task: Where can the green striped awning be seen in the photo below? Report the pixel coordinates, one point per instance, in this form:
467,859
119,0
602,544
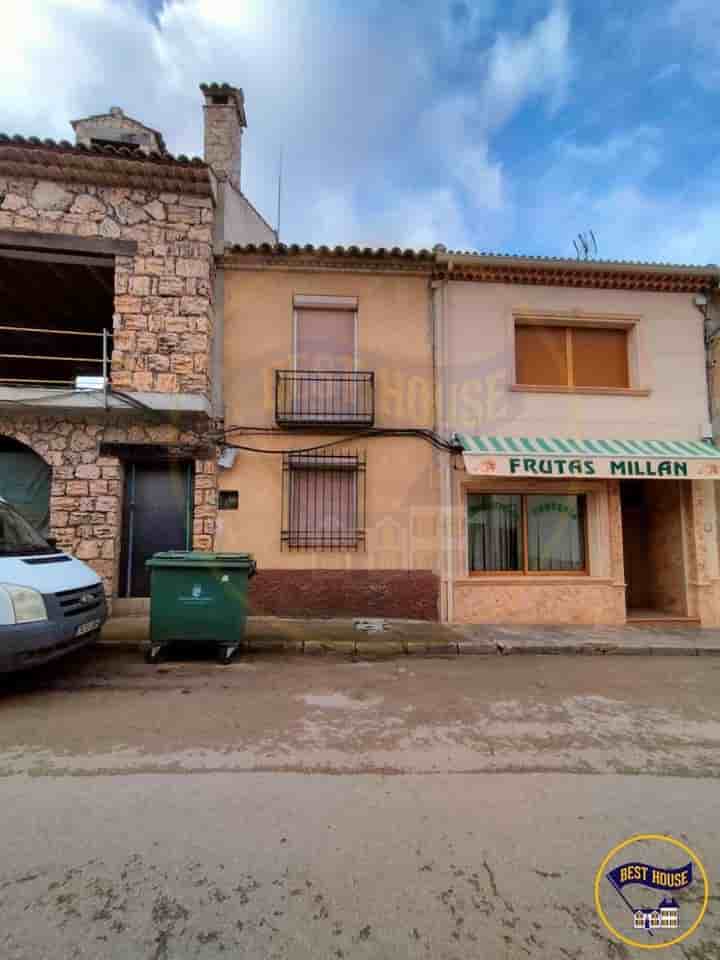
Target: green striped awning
571,447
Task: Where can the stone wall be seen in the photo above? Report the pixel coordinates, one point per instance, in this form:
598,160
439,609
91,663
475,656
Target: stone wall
163,294
87,489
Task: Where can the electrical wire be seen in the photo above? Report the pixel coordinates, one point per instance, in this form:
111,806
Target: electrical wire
428,435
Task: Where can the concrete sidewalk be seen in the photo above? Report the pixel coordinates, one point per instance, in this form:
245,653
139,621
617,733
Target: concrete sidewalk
403,637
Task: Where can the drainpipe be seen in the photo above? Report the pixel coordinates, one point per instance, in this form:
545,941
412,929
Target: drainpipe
711,330
438,306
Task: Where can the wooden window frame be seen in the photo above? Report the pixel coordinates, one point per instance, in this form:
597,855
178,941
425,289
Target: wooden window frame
573,320
524,571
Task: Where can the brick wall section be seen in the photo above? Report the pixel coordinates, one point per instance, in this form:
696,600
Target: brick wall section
163,295
403,594
87,489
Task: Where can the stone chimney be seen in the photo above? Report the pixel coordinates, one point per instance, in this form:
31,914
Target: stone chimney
224,124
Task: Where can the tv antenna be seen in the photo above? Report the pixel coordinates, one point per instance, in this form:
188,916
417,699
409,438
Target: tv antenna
586,246
279,194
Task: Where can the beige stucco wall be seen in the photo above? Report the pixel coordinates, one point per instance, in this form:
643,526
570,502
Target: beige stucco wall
401,477
394,340
668,360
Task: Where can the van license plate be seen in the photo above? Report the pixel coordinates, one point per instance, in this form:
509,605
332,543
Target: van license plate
87,628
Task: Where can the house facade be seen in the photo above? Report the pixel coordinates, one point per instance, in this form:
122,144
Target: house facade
330,473
585,490
109,372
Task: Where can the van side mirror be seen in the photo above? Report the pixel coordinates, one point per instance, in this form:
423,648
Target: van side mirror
51,542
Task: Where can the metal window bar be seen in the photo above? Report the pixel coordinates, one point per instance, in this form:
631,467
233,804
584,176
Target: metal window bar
102,361
323,501
325,397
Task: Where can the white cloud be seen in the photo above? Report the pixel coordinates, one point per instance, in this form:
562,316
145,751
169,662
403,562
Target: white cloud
524,66
372,148
630,153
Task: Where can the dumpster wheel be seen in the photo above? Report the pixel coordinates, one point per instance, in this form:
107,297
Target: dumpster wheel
226,654
153,653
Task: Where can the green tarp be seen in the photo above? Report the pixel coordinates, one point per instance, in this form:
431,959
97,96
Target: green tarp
25,483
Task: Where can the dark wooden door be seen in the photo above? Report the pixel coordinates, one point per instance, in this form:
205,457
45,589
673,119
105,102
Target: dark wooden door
157,516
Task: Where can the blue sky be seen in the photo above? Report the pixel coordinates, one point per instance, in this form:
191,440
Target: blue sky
480,124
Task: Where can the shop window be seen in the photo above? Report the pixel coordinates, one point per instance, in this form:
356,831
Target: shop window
526,533
323,501
553,355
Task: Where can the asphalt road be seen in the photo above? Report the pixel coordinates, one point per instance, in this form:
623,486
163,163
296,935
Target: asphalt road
318,808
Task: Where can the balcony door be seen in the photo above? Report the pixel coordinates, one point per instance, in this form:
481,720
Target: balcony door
325,348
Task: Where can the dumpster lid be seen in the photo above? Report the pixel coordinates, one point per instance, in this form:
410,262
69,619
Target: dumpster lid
199,558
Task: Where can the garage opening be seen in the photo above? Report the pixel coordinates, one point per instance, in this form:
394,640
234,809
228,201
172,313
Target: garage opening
56,316
25,482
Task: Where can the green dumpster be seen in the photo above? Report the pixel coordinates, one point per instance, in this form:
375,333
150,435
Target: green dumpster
198,598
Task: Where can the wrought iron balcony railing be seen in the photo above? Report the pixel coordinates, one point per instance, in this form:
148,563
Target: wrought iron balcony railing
324,398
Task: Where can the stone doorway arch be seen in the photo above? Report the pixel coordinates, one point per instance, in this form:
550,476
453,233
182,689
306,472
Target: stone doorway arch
25,480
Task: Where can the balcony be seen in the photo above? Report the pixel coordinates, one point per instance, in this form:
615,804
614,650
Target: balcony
324,398
40,356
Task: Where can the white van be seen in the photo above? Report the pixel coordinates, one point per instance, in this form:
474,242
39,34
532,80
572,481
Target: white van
50,603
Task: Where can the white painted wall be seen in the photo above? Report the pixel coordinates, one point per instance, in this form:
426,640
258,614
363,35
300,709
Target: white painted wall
242,223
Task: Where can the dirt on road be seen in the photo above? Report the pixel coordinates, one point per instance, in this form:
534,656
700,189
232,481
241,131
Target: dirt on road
104,710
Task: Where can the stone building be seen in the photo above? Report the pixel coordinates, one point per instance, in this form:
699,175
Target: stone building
110,385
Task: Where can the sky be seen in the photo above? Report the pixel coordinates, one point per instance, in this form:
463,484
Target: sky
495,125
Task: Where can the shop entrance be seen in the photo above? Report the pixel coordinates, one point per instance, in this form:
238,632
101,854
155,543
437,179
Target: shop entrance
653,549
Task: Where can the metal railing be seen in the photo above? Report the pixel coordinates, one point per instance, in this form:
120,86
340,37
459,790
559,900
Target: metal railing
324,398
100,362
323,501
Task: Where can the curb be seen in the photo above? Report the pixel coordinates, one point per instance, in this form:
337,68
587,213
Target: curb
364,650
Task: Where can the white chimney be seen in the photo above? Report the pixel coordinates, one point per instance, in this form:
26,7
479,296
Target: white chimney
225,121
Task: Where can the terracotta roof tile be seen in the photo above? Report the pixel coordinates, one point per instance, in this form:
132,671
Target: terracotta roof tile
308,249
102,164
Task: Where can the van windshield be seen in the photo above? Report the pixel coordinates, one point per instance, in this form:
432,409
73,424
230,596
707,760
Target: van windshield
17,536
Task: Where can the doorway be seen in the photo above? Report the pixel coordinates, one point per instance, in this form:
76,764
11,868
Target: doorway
157,516
653,549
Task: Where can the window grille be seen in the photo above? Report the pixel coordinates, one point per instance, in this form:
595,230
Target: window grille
324,501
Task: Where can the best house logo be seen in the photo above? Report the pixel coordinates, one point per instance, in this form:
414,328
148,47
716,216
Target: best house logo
651,891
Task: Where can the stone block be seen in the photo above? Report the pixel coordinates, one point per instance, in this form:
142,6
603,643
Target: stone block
185,267
142,380
87,550
170,287
141,286
86,204
127,304
158,363
166,383
50,196
182,363
121,378
13,202
109,228
193,306
88,471
179,324
156,210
